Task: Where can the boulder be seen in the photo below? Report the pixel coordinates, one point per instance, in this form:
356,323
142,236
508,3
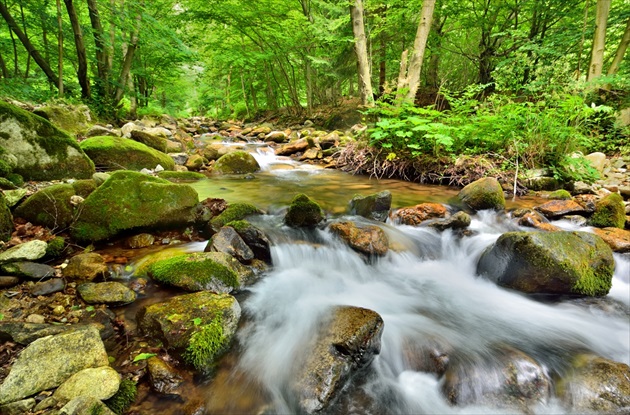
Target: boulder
153,141
6,220
609,212
133,201
28,251
99,130
31,270
237,162
559,208
37,150
415,215
375,206
277,137
51,286
13,197
99,382
228,241
533,219
483,194
560,194
118,153
85,267
85,405
73,119
110,292
303,213
255,239
19,407
48,362
164,378
198,326
297,146
598,161
181,176
348,341
8,282
366,239
577,263
199,271
26,333
233,212
596,385
460,220
617,239
195,162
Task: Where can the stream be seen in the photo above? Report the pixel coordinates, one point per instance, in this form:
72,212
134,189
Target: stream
426,292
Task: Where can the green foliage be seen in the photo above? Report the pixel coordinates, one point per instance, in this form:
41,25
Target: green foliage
206,344
143,356
122,400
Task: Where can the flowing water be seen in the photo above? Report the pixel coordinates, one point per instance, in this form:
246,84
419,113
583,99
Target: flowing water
427,294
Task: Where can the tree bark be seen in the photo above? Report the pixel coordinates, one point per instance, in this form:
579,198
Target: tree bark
3,67
621,50
60,45
402,75
37,57
419,47
101,49
28,59
127,62
595,68
82,69
360,47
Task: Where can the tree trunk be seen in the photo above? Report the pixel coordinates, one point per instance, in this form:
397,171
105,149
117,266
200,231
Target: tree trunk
3,67
14,43
621,50
82,70
128,60
402,76
101,50
595,68
419,46
28,59
360,47
60,44
37,57
244,92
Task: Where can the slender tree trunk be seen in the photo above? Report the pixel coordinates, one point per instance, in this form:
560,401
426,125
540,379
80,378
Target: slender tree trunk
101,48
419,46
621,50
360,47
595,68
401,84
244,92
228,86
60,45
382,66
112,34
14,43
3,67
37,57
133,99
252,93
578,71
28,58
82,70
128,60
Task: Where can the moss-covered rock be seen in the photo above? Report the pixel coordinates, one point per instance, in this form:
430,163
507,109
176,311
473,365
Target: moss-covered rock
609,212
122,400
134,201
199,326
375,206
183,176
303,213
84,188
483,194
37,150
153,141
123,153
577,263
234,212
560,194
6,219
237,162
55,247
214,271
109,292
73,119
49,207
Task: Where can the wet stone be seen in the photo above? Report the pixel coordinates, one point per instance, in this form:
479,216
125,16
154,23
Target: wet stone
31,270
558,208
8,282
164,378
51,286
111,292
142,240
227,240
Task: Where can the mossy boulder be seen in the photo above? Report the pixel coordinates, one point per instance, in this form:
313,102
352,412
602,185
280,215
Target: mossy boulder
609,212
571,263
255,239
201,271
153,141
198,326
6,219
560,194
303,213
375,206
483,194
37,150
71,118
109,292
236,162
184,176
134,201
234,212
122,153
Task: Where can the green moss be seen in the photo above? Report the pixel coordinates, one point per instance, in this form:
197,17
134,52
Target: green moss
303,212
55,247
6,219
181,175
5,168
16,179
50,207
96,409
239,225
236,162
123,153
206,344
122,400
6,184
234,212
193,271
83,188
483,194
609,212
560,194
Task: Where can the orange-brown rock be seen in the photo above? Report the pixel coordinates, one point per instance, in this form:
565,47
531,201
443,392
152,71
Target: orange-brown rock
536,220
292,148
558,208
417,214
617,239
368,239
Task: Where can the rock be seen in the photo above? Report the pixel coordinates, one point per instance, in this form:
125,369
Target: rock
159,131
164,378
39,150
8,282
128,128
609,212
195,162
199,326
303,213
28,251
509,378
577,263
312,153
367,239
85,405
213,271
460,220
130,201
617,239
483,194
581,188
228,241
110,292
26,333
596,385
31,270
118,153
233,212
173,146
624,191
179,158
48,362
142,240
35,319
150,140
375,206
276,137
297,146
417,214
99,130
237,162
6,220
560,194
541,183
255,239
100,383
13,197
53,285
348,341
181,176
85,267
19,407
598,161
71,118
558,208
533,219
262,129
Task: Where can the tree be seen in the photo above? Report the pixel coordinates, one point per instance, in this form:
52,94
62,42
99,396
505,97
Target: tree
595,68
360,47
419,46
621,50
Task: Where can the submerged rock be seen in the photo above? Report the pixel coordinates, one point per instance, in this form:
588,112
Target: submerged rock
577,263
375,206
237,162
303,213
483,194
118,153
460,220
366,239
347,342
164,378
